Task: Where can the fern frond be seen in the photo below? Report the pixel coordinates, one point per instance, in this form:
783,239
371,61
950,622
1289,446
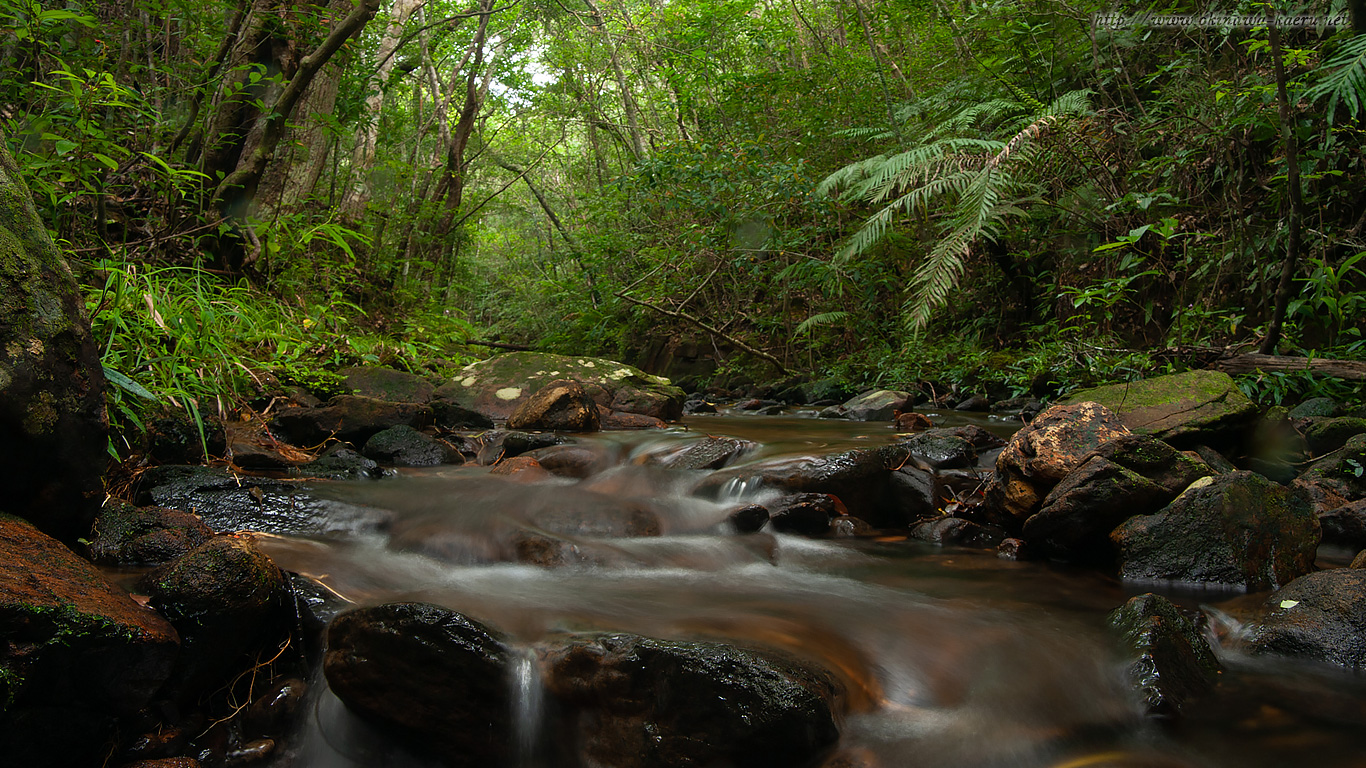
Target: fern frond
815,321
1344,79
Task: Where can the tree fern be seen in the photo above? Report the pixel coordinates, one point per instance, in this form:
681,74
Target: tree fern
1343,79
815,321
974,178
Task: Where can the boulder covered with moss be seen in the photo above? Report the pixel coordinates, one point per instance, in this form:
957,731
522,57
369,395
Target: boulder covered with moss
53,429
496,387
1182,409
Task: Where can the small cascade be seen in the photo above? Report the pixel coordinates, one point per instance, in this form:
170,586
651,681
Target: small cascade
739,489
528,710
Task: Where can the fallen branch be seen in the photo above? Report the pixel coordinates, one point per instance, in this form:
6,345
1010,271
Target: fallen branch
759,353
499,345
1353,370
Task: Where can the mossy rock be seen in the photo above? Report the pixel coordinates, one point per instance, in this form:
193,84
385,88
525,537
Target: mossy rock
53,430
1182,409
497,386
1171,661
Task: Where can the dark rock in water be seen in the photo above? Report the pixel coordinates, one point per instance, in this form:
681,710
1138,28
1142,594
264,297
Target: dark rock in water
698,406
1237,530
447,415
1324,407
1186,408
386,384
771,410
977,437
229,502
253,455
808,514
877,405
126,535
861,478
314,607
252,752
624,420
505,445
174,438
1040,455
940,449
911,421
641,703
1013,549
273,713
497,386
755,404
404,446
973,403
1320,617
53,433
434,677
707,453
228,601
349,418
916,493
560,406
1345,525
1337,479
1325,435
1281,472
847,527
749,518
1173,664
954,531
340,463
576,461
524,468
77,653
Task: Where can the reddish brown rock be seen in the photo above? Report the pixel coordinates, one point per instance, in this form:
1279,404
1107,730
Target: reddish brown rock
1041,454
561,406
523,468
912,422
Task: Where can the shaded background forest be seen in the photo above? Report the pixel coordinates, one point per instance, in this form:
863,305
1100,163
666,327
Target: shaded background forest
861,191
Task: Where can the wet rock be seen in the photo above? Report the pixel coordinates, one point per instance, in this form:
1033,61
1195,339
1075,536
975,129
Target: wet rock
1236,530
437,679
1172,663
497,386
174,438
877,405
252,455
166,762
349,418
448,415
940,449
77,652
274,712
707,453
755,404
524,468
1040,455
1320,617
127,535
574,461
808,514
560,406
1213,459
1345,525
748,519
228,601
633,702
52,421
861,478
911,421
314,608
977,437
973,403
847,527
1013,549
1360,560
505,445
698,406
624,420
404,446
340,463
251,753
386,384
1338,478
1155,460
229,502
1184,408
147,748
771,410
946,531
1324,407
1325,435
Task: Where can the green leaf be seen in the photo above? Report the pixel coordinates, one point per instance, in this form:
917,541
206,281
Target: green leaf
128,385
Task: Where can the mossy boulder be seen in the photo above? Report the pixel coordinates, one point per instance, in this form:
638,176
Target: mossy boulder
386,384
1327,435
351,418
53,429
128,535
497,386
1183,409
228,601
76,652
1238,530
1338,478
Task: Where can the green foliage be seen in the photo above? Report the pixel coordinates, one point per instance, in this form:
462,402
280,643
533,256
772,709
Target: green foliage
1342,80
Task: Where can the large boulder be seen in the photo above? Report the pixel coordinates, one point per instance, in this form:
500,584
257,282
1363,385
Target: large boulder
560,406
406,447
76,652
228,601
1326,435
351,418
1171,661
1237,530
1338,478
437,679
53,432
497,386
877,405
127,535
1184,408
386,384
635,702
707,453
1320,616
1040,455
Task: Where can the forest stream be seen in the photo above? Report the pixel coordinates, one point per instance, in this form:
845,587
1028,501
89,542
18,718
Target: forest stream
949,656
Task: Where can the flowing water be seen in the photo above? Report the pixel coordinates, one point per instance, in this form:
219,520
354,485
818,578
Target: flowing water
951,657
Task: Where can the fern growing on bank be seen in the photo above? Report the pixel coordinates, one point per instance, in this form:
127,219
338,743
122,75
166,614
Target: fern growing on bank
1343,80
982,182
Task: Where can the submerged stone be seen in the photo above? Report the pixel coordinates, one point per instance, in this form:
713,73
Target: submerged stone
1172,662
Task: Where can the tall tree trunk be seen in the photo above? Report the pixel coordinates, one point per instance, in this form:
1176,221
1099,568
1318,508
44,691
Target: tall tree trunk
1292,182
628,101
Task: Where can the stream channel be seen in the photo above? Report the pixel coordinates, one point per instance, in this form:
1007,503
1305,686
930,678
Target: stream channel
952,656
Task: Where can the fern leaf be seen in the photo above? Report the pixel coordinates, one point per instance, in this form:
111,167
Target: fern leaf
815,321
1344,79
